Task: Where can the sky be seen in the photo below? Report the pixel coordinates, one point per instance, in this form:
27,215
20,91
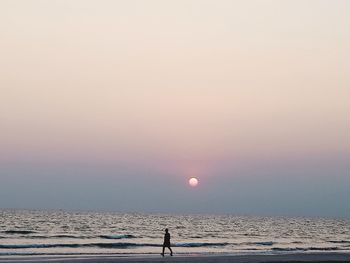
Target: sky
114,105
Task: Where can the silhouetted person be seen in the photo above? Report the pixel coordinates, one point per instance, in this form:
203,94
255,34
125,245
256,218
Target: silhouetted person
167,242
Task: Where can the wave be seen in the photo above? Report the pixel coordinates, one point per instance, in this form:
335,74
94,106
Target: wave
201,244
26,234
261,243
120,245
324,248
66,236
307,249
100,245
339,241
287,249
56,236
125,236
21,232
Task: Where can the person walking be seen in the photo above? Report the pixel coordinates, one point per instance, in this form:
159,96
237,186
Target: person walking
167,242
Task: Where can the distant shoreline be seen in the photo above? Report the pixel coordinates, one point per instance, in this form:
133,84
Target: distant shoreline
300,257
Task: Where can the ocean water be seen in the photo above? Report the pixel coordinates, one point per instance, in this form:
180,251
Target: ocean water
70,233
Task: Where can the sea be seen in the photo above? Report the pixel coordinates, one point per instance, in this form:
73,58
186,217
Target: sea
25,232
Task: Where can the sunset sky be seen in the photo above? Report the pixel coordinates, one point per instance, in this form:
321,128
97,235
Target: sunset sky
114,105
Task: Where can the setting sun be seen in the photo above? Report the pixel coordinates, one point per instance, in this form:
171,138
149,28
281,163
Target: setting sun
193,181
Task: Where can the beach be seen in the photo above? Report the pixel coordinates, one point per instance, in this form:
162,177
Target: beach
312,257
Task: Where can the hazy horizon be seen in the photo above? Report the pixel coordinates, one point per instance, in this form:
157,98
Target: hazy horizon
114,105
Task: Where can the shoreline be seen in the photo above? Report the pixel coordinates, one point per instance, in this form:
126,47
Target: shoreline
204,258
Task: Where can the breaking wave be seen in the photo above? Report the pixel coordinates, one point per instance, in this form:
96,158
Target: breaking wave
108,245
21,232
126,236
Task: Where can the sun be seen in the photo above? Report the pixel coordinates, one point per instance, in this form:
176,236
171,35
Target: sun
193,181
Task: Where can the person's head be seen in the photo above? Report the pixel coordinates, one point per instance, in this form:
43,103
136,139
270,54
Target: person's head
166,230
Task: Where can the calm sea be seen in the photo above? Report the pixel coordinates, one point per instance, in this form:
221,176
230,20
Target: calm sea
47,232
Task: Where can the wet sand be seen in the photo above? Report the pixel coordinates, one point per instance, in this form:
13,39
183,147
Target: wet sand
314,257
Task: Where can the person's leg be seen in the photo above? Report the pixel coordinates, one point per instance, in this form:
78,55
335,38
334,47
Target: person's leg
171,252
163,251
